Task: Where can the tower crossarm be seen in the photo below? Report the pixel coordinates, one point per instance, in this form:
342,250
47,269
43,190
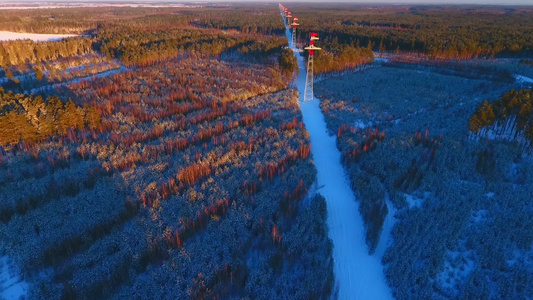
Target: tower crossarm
312,47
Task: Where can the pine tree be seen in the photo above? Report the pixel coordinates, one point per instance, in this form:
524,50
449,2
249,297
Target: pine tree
92,117
54,109
72,116
38,73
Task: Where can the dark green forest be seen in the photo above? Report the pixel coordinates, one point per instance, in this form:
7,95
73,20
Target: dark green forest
31,118
443,32
448,154
154,149
515,106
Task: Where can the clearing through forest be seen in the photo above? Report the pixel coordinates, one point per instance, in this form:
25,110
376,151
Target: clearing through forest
358,275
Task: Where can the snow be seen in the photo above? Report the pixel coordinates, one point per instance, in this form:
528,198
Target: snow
413,201
358,274
516,255
77,80
458,265
479,216
36,37
385,239
496,132
11,287
520,257
523,79
37,5
380,60
361,124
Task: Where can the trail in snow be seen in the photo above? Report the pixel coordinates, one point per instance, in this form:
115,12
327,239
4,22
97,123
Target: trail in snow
358,274
52,86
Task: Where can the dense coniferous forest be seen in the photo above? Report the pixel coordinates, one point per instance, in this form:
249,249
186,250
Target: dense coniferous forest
156,151
161,154
349,33
444,32
436,137
32,119
451,170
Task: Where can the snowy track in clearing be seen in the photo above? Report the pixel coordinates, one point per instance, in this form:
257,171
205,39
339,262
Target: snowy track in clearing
358,275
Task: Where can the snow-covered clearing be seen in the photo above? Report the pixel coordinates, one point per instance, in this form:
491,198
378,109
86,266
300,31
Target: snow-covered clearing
385,239
523,79
479,216
11,287
457,267
36,37
501,131
358,275
77,80
361,124
414,201
521,257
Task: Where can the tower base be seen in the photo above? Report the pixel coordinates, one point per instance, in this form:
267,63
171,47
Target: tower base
308,92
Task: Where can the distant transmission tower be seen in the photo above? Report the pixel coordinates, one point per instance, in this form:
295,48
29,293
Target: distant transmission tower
288,19
294,24
308,93
283,11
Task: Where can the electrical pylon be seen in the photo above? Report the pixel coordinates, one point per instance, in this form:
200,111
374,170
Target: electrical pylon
294,24
308,92
283,12
282,9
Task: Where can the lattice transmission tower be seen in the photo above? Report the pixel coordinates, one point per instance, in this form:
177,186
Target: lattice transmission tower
294,24
308,92
283,12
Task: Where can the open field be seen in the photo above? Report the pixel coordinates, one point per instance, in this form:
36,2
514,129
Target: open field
36,37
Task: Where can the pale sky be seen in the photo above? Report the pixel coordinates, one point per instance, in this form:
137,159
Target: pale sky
478,2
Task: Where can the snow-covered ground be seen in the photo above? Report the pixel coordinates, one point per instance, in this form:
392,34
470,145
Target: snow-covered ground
77,80
524,79
501,131
37,37
458,265
361,124
358,275
385,239
11,287
414,201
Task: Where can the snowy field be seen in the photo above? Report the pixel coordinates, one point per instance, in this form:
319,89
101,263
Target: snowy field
358,275
36,37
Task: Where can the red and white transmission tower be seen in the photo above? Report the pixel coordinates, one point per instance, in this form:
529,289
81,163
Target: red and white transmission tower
289,16
282,9
294,24
308,92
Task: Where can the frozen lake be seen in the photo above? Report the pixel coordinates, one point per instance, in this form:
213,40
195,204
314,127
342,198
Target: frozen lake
37,37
